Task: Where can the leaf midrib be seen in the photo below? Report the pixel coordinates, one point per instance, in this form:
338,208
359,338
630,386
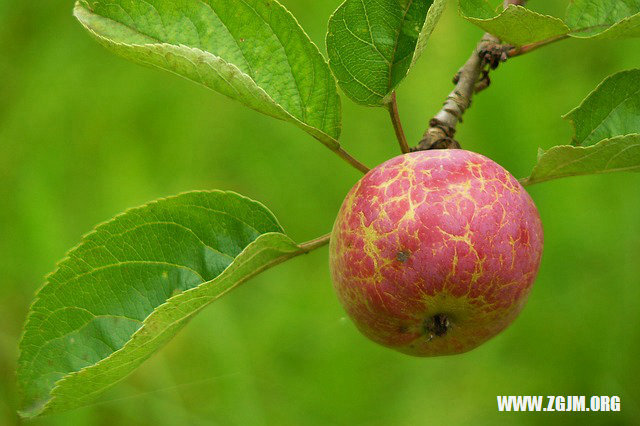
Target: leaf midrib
393,61
61,337
577,160
105,267
268,265
613,109
303,108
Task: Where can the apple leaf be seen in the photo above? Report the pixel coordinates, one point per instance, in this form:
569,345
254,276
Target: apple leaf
132,284
585,19
516,25
619,154
253,51
612,109
607,133
373,44
604,18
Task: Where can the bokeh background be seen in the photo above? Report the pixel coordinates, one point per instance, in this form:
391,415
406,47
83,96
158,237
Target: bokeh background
85,135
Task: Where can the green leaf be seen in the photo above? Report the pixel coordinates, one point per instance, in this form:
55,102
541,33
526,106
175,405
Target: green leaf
612,109
132,284
253,51
607,133
585,19
373,44
620,154
516,25
604,18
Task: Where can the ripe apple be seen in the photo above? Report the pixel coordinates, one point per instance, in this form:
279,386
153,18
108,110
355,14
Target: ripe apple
435,252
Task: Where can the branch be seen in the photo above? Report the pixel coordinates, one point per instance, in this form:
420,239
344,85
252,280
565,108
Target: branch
472,78
397,124
442,127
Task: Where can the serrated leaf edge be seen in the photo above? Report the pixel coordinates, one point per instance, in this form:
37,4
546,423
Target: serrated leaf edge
570,32
26,413
431,19
605,32
569,115
529,181
509,10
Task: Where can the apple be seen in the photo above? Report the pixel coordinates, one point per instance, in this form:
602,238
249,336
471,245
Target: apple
435,252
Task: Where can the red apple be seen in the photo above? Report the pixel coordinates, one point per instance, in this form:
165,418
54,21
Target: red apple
435,252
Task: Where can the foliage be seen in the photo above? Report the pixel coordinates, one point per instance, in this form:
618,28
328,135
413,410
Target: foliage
373,45
585,19
607,133
132,284
252,51
79,342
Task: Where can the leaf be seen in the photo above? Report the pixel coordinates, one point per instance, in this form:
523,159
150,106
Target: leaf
604,19
618,154
132,284
585,19
516,25
612,109
607,133
373,44
253,51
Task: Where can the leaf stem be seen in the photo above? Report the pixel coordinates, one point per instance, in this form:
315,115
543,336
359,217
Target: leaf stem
517,51
397,124
349,158
314,244
525,181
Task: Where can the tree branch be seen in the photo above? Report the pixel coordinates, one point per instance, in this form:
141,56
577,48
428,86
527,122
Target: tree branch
472,78
397,124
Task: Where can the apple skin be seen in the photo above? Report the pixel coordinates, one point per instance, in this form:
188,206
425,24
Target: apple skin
435,252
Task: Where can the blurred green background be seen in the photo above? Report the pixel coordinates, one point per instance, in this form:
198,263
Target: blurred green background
85,135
